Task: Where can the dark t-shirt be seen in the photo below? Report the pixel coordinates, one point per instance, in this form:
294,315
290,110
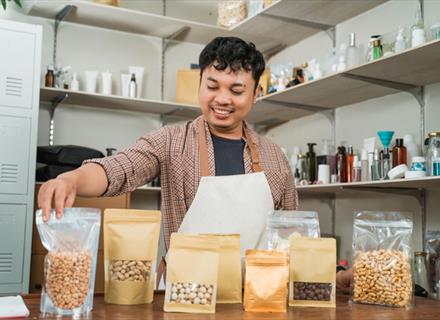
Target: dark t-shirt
228,154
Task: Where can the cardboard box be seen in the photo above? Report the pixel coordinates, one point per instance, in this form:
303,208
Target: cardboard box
122,201
187,86
37,273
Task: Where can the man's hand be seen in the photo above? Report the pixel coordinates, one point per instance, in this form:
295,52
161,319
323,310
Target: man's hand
344,280
60,191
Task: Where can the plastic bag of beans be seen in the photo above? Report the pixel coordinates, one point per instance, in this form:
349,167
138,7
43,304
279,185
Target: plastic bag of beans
382,259
70,264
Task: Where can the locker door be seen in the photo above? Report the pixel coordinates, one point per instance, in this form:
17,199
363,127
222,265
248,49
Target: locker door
12,227
17,56
14,154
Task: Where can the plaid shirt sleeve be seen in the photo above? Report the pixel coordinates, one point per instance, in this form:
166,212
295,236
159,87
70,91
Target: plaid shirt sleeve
135,166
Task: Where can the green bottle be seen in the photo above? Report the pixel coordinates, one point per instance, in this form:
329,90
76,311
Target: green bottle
311,162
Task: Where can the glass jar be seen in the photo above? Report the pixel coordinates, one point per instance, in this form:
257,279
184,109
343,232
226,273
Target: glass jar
433,154
420,270
231,12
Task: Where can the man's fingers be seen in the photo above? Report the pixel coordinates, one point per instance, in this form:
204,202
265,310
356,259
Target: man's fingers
60,198
45,200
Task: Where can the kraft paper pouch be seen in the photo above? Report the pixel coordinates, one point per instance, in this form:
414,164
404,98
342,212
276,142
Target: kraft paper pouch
312,280
192,273
266,279
229,271
131,239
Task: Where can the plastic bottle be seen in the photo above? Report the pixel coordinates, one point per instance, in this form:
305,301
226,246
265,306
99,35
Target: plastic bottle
294,158
365,166
311,162
399,153
318,72
400,44
356,174
50,77
412,150
376,172
350,160
418,36
341,65
133,86
74,83
352,51
341,161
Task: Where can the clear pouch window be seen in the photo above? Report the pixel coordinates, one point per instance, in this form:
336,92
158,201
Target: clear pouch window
70,265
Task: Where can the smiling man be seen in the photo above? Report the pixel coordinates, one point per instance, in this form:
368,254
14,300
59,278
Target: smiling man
217,174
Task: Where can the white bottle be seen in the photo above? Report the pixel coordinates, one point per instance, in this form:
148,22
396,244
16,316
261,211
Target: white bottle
365,166
352,52
412,150
294,158
74,83
341,65
400,44
417,30
317,72
132,88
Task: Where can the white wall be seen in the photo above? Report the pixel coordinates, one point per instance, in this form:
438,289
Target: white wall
92,48
399,112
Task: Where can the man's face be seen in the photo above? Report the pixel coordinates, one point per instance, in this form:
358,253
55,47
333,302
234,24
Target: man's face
226,97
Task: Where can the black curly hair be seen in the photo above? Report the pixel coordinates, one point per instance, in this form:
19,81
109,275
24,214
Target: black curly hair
232,52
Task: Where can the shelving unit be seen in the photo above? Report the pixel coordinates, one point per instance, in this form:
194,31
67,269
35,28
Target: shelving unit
282,24
114,102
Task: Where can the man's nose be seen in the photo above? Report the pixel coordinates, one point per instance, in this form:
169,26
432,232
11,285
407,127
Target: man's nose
223,98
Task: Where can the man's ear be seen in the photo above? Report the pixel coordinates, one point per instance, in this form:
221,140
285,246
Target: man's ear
257,92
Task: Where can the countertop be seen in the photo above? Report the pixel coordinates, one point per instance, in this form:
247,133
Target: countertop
425,309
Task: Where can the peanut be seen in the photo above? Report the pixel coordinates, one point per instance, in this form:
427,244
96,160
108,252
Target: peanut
382,277
67,276
129,270
191,293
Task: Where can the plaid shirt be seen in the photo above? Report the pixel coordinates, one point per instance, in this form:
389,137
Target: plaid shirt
173,153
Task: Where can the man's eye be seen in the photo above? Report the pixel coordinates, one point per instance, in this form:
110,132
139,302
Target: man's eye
212,88
237,93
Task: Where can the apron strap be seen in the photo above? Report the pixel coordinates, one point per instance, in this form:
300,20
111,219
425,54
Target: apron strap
203,150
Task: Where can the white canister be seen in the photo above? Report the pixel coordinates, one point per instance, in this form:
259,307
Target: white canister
90,81
324,174
106,83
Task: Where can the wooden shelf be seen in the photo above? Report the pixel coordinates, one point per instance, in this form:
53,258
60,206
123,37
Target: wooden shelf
275,24
400,184
410,69
114,102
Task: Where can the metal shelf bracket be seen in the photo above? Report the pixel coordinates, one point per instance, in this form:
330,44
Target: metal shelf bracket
54,104
58,18
164,116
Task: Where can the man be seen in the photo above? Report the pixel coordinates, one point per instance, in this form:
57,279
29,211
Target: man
217,174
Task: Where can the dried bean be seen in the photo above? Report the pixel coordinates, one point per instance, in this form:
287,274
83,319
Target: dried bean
312,291
382,277
191,293
67,278
129,270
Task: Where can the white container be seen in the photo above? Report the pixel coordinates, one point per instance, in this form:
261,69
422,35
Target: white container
324,174
125,84
418,37
106,83
90,81
139,73
398,172
74,83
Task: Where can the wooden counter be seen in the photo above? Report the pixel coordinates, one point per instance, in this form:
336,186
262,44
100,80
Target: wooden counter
425,309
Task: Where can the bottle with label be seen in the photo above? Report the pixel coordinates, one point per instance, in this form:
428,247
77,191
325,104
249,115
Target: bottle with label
311,162
400,43
418,36
50,77
365,167
352,52
341,161
376,168
356,174
433,154
399,153
133,86
350,159
371,46
377,49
